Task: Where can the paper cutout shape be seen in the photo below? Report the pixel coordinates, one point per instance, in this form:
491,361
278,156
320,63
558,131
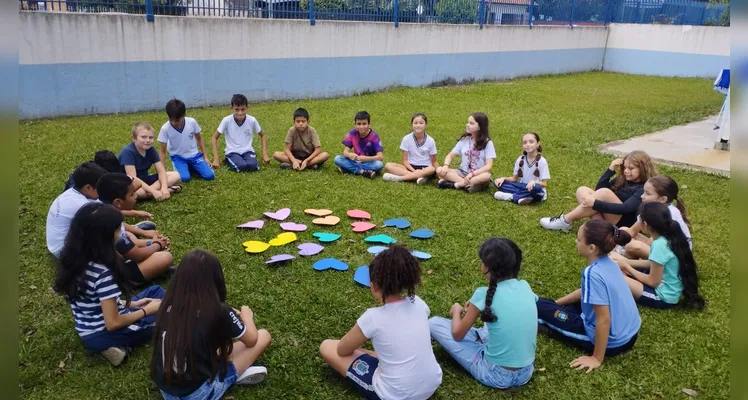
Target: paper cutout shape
283,238
422,234
376,249
254,246
399,223
362,226
358,214
252,225
310,249
420,255
279,258
318,213
279,215
381,238
329,220
330,263
292,227
361,276
326,237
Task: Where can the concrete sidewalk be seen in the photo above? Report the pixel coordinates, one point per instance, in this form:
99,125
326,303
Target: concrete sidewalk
688,146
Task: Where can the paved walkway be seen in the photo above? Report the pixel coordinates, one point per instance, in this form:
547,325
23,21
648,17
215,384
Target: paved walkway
689,146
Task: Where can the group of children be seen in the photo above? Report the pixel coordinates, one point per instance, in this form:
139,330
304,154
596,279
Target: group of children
637,244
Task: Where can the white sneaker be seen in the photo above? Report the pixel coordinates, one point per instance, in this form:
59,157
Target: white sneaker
114,355
555,223
503,196
253,375
422,181
388,177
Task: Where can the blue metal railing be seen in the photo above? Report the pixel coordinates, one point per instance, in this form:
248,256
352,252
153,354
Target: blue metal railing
479,12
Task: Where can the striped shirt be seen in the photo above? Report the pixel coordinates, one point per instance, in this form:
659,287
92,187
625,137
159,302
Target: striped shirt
99,286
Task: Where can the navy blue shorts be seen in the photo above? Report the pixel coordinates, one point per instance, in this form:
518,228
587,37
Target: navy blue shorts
649,298
417,167
150,179
361,373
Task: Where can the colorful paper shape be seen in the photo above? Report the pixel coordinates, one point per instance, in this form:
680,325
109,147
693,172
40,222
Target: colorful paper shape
252,225
361,276
422,234
330,263
399,223
420,255
362,226
318,213
279,215
279,258
381,238
358,214
326,237
310,249
253,246
292,227
283,238
376,249
329,220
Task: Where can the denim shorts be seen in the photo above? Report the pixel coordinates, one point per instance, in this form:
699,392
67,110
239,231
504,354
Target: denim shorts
209,390
649,298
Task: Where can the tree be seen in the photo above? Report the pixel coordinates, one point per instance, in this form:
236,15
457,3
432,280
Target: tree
457,11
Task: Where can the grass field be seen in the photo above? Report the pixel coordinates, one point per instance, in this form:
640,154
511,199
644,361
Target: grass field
573,114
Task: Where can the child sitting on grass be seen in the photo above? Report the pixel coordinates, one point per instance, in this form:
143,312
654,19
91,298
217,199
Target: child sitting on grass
476,150
240,128
138,157
180,135
366,157
419,155
303,148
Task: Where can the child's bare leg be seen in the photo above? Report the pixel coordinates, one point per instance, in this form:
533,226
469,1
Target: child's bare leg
281,157
318,159
329,352
419,173
584,212
583,192
453,176
396,169
636,287
243,357
481,179
637,250
155,265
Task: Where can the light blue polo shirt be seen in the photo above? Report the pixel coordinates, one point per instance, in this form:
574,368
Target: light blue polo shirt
671,286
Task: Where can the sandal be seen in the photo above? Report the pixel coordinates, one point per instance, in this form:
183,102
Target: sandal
175,188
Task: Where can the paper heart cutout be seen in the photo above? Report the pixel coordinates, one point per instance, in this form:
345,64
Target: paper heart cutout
325,237
293,227
399,223
318,213
420,255
283,238
330,263
310,249
376,249
361,276
279,215
381,238
329,220
252,225
254,246
279,258
362,226
422,234
358,214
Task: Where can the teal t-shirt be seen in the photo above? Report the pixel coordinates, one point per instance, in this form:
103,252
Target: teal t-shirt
671,286
512,338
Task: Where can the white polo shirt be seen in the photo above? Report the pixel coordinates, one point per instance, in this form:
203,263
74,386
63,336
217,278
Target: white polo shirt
239,137
60,216
528,171
418,153
180,142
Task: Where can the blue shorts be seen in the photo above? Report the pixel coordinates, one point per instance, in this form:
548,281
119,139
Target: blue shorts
150,179
361,373
209,390
649,298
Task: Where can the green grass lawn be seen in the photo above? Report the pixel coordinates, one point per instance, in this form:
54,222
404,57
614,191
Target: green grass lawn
300,307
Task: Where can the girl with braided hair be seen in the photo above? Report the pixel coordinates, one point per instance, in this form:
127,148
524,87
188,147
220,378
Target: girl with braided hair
402,365
530,178
501,354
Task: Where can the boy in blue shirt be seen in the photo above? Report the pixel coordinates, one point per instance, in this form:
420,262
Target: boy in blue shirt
138,157
181,135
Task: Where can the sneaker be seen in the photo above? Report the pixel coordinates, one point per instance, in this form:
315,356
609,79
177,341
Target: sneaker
446,185
145,225
555,223
388,177
474,189
285,165
115,355
422,181
503,196
315,167
341,170
524,201
368,173
253,375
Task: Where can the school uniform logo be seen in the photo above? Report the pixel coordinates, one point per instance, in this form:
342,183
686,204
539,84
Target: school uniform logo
361,367
247,132
561,316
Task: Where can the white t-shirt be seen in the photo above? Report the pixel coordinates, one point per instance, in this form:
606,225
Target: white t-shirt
473,159
239,137
419,154
60,215
400,334
180,143
528,171
677,217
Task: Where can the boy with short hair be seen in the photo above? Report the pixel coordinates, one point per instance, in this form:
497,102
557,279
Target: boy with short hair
366,157
240,128
63,209
179,135
138,157
303,147
145,259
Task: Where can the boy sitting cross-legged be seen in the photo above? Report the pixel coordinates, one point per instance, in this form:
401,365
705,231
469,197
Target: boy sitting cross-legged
138,157
239,129
303,148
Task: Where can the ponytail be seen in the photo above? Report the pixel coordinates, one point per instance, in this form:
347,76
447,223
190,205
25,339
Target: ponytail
681,206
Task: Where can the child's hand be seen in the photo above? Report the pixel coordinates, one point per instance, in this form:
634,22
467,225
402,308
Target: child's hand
140,303
302,166
499,182
247,313
265,159
152,306
456,309
216,163
158,195
530,185
586,362
296,164
588,202
165,194
142,214
352,156
615,164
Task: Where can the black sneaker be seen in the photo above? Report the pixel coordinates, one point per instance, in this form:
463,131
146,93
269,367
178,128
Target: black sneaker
369,173
285,165
446,185
145,225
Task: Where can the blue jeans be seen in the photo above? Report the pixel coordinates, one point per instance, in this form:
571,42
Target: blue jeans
469,354
242,162
195,164
354,167
209,390
519,191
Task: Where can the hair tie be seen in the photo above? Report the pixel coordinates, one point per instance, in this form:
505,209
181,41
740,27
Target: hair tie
615,232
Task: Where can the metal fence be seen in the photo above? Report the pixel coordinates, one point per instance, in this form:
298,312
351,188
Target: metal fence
480,12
